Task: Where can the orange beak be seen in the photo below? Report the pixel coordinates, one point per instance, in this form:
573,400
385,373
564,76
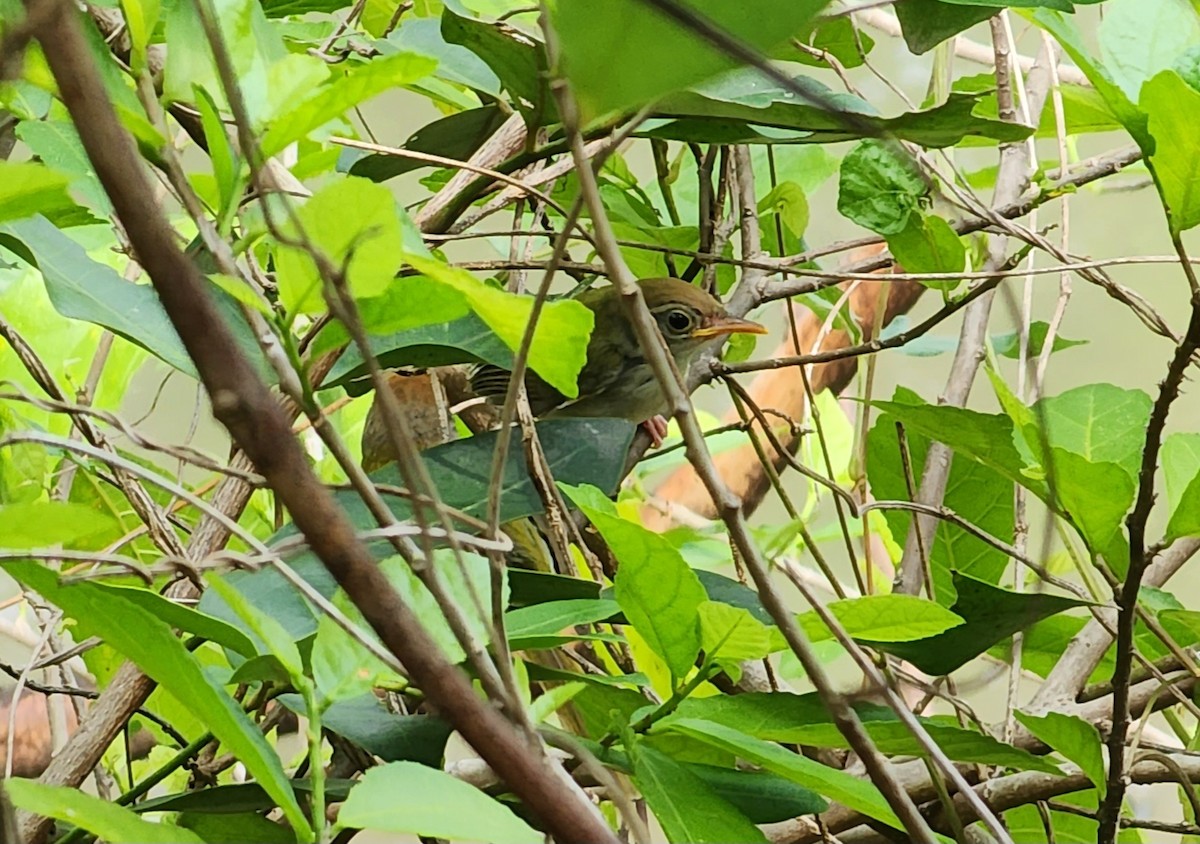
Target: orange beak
718,326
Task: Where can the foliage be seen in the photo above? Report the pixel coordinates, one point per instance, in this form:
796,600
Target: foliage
596,594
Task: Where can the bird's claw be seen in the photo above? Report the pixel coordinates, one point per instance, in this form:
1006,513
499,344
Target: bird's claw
656,427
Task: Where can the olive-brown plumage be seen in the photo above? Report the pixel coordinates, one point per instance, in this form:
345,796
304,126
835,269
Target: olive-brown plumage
616,380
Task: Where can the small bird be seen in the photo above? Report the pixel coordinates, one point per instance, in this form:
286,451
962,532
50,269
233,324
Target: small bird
616,380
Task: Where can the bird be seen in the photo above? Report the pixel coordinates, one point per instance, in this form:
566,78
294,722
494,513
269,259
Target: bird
616,380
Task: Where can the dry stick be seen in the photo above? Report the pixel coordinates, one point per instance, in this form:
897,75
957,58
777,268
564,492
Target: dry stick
1127,592
1012,177
254,419
654,348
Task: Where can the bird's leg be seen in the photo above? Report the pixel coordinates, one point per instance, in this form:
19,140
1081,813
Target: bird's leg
656,427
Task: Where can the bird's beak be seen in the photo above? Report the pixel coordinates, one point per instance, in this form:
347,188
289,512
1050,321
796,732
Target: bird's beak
721,325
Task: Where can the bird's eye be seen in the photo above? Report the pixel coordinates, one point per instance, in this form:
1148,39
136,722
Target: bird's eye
679,321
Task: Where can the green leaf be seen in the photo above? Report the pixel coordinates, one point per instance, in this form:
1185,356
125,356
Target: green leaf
1096,497
1008,344
1181,466
974,490
802,719
657,590
1101,423
1171,107
788,201
455,63
879,187
184,618
49,524
619,55
102,818
731,634
410,799
1076,739
559,348
153,647
990,615
884,618
1140,38
551,617
342,94
356,224
927,23
28,188
837,785
761,796
391,736
688,810
455,136
927,244
81,288
236,828
275,639
57,144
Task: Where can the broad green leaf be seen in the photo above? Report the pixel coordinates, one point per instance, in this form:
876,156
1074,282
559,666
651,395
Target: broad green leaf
657,590
357,225
879,188
102,818
1102,423
391,736
619,54
551,617
1181,467
49,524
517,61
1096,496
1076,739
987,438
1008,344
455,63
342,94
410,302
1140,38
1067,34
788,201
688,810
837,785
28,188
927,244
1171,106
975,491
884,618
342,667
802,719
761,796
58,144
990,615
275,639
455,136
559,347
151,644
406,798
732,634
927,23
184,618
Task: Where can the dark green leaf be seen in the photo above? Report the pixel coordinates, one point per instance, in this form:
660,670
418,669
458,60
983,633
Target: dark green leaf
620,54
390,736
990,613
535,587
858,794
761,796
927,23
803,719
517,60
456,136
236,828
687,809
235,798
879,187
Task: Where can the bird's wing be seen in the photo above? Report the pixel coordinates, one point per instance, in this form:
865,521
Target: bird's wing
491,382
